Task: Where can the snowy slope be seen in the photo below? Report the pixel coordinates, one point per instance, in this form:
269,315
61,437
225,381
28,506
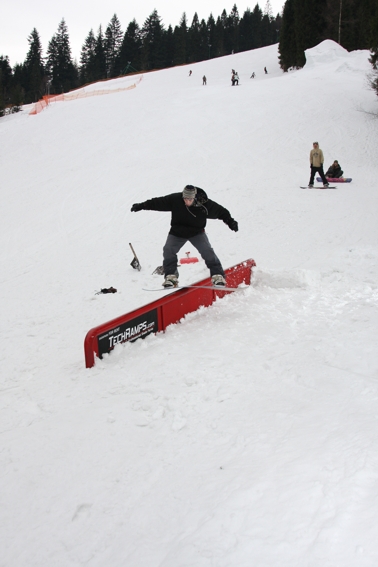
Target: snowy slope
246,435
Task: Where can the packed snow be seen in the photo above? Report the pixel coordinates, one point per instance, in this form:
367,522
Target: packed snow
247,434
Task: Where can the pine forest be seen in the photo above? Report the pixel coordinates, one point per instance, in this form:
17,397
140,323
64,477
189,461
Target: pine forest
112,52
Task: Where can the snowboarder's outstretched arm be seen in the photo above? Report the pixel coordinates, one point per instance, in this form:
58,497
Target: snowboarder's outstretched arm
155,204
216,211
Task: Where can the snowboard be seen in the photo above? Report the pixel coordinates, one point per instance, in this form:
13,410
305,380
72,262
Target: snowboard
336,179
212,287
319,187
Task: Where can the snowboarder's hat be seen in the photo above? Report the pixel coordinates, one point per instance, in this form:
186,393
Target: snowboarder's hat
189,192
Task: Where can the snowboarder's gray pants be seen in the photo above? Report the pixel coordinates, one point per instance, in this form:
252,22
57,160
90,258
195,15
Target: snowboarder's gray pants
201,243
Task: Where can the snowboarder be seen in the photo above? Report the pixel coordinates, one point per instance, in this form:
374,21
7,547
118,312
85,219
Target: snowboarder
204,80
190,210
316,164
335,170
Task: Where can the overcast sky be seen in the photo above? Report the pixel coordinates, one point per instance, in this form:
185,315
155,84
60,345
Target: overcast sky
19,18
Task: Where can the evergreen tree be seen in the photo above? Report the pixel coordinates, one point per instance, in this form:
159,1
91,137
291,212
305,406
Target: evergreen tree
6,76
268,27
52,66
255,25
309,27
210,26
287,46
250,29
305,23
34,71
130,52
169,43
153,48
277,24
266,31
60,67
180,39
87,71
364,13
100,58
17,92
245,31
232,31
204,43
194,40
113,43
219,37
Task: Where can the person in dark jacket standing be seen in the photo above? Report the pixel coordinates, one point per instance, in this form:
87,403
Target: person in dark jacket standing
190,210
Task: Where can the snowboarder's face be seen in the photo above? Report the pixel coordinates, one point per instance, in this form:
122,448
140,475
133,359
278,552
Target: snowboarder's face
188,202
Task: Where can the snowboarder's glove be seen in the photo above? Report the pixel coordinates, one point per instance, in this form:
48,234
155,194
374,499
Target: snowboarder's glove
136,207
233,225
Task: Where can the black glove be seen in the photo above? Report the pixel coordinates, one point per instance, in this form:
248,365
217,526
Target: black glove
233,225
107,290
136,207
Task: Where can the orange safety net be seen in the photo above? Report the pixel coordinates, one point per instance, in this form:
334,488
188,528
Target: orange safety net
74,95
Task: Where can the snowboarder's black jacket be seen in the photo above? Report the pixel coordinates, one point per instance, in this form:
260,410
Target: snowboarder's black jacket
188,221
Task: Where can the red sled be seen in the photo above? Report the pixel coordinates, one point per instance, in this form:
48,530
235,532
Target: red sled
336,179
188,259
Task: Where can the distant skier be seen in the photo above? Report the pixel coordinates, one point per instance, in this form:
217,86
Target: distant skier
190,73
204,80
253,75
334,170
190,210
265,71
234,79
316,164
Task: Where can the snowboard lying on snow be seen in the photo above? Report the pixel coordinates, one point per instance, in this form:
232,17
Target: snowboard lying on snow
336,179
317,187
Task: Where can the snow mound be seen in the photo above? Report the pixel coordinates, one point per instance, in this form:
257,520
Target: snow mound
326,52
331,52
292,279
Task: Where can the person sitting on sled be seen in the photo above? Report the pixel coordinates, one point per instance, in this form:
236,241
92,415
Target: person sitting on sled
190,210
335,170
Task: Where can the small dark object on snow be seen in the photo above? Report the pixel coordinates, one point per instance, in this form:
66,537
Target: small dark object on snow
159,271
135,264
107,290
